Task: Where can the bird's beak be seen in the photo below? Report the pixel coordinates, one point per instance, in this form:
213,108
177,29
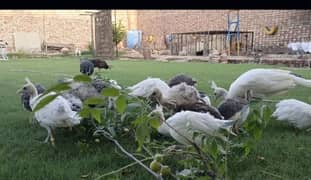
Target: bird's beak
19,91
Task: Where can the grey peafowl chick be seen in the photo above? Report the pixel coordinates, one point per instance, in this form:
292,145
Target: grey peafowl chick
181,78
25,96
86,67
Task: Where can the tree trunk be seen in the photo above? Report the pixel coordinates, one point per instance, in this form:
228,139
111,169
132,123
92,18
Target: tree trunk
103,34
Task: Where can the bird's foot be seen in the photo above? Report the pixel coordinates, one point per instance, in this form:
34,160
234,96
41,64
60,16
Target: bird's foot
53,141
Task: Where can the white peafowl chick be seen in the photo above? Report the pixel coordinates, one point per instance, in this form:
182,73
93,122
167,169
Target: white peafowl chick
57,113
295,112
187,122
147,87
265,82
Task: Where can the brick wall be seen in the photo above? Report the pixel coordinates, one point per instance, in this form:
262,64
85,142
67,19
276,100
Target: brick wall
54,28
293,25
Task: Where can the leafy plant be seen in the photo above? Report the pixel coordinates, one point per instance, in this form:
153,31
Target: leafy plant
118,30
115,114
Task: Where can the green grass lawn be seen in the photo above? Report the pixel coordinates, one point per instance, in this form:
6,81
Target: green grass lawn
286,152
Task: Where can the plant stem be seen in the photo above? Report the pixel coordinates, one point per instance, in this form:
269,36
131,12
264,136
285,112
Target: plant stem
147,150
122,168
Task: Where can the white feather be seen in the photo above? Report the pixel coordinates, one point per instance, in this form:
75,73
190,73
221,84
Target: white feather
295,112
57,113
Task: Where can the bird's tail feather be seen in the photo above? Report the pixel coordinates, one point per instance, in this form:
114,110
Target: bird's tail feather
302,82
213,86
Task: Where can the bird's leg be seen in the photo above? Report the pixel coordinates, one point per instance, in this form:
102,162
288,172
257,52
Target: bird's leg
236,129
49,133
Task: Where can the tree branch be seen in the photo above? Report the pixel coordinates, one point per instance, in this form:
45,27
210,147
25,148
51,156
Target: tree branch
122,168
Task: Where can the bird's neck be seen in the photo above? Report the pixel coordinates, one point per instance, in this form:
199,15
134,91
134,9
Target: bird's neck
34,92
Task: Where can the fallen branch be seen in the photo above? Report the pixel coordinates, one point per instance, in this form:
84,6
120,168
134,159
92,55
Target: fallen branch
108,136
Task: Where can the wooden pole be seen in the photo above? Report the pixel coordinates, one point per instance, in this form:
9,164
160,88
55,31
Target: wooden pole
92,38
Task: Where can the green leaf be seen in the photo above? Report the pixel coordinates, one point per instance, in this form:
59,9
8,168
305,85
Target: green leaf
111,92
94,101
57,88
44,101
96,114
85,112
133,106
142,134
154,123
82,78
121,104
139,120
